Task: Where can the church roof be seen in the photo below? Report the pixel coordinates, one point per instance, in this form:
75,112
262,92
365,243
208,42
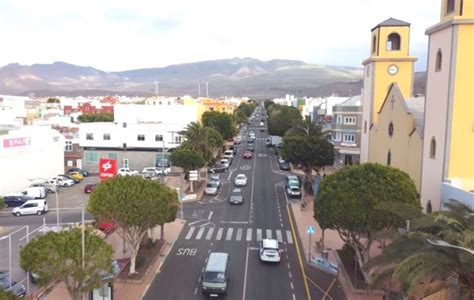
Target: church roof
353,101
391,22
416,107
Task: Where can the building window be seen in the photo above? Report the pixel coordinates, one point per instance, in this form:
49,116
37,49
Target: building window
450,5
89,136
350,120
68,147
112,155
393,42
140,137
125,163
433,148
390,129
106,136
439,61
91,156
349,138
177,139
374,44
389,158
339,120
158,138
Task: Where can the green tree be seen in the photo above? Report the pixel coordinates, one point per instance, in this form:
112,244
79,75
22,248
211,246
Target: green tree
53,100
100,117
281,118
203,139
135,205
240,116
220,121
2,204
411,261
58,255
268,103
187,159
8,296
350,202
311,152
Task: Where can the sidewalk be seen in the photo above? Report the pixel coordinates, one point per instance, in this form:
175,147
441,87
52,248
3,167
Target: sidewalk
125,291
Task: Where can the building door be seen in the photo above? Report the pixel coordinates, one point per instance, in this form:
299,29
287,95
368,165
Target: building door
79,163
125,163
348,160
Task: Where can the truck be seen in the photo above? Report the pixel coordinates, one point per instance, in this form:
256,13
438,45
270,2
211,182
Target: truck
274,141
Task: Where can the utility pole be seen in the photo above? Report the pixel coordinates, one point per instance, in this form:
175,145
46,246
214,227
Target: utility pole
157,87
199,89
207,89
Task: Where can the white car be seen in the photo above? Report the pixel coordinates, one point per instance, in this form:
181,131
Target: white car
127,172
269,251
225,162
31,207
62,181
240,180
229,154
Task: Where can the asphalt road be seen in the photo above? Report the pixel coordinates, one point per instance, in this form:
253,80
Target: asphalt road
213,225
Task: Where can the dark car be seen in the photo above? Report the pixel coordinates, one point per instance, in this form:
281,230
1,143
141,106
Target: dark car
234,149
284,165
79,170
250,141
218,168
89,188
15,200
250,148
13,287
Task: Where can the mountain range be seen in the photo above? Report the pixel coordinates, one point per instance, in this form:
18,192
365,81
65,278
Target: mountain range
227,77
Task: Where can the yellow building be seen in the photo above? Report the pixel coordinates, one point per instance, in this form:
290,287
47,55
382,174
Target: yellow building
208,104
448,149
389,62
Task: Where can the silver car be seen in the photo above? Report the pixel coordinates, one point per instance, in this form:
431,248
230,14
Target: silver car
236,197
212,188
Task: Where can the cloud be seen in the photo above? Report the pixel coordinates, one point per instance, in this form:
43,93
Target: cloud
118,34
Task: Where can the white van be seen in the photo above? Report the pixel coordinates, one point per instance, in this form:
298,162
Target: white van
229,154
215,277
37,192
31,207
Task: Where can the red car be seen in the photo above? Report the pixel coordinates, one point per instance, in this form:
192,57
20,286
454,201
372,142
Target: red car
248,154
89,188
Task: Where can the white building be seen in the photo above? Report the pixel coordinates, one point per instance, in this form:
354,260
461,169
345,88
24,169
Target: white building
167,114
28,153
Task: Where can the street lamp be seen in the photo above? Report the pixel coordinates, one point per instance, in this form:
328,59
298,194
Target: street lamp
442,243
9,237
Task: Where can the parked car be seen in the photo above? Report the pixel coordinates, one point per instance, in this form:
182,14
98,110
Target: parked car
14,200
82,171
62,181
127,172
236,197
248,154
75,175
151,172
48,187
218,168
216,179
284,165
226,162
293,180
89,188
240,180
268,142
268,250
164,166
250,148
38,192
31,207
293,191
237,140
250,140
229,154
212,188
75,179
13,287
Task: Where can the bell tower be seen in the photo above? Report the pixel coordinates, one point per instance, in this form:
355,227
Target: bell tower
389,62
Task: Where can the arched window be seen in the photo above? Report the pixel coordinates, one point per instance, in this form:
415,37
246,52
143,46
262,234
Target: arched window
450,6
389,158
439,61
429,207
393,42
433,148
374,44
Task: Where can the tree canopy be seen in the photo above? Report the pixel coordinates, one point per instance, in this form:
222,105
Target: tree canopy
58,255
135,205
220,121
281,118
203,139
187,159
53,100
99,117
350,201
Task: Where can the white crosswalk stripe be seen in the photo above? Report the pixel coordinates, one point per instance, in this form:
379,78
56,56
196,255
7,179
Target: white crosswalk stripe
237,234
200,232
259,234
279,237
190,233
269,233
219,234
249,234
289,237
209,233
229,234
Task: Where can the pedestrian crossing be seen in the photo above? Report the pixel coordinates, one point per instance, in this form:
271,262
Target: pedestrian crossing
237,234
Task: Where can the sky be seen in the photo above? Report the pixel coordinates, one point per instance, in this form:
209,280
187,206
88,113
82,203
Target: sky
116,35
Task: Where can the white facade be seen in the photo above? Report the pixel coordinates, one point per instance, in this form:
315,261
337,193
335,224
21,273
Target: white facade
28,153
166,114
7,116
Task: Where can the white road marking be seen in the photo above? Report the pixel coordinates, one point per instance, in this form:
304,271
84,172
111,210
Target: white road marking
288,265
254,248
245,274
249,234
269,233
210,215
293,296
195,290
239,234
234,222
190,233
259,234
229,234
219,234
209,233
279,237
291,285
195,222
289,274
289,237
200,232
253,187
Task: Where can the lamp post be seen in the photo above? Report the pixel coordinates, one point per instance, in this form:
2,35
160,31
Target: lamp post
442,243
83,238
9,237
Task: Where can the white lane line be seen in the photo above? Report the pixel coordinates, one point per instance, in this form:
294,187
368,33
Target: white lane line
293,296
289,238
245,273
253,185
195,291
209,233
200,232
229,234
259,234
291,285
249,234
234,222
239,234
279,236
219,234
288,265
190,233
195,222
269,233
210,215
289,274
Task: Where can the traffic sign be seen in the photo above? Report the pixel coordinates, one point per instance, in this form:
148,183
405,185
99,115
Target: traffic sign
310,229
193,175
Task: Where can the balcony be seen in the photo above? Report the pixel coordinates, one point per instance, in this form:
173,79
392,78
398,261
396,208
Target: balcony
458,189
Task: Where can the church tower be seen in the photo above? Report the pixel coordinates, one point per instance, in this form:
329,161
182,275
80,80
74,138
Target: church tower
389,62
448,146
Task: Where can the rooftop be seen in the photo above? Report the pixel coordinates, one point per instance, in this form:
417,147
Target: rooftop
392,22
416,106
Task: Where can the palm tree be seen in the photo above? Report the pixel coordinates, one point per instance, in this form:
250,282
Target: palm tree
306,127
202,139
413,263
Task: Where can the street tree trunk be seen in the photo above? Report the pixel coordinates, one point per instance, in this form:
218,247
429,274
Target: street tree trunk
308,174
162,233
322,239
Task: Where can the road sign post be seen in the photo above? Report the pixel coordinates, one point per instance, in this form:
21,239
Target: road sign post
193,176
310,230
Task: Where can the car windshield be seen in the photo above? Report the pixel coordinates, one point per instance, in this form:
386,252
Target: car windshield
216,277
241,177
295,188
211,184
293,182
236,194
